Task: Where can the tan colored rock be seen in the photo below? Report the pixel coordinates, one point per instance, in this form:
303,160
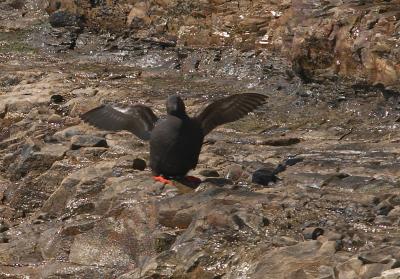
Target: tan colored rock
139,15
55,118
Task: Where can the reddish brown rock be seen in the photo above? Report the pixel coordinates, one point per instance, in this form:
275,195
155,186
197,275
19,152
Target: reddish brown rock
357,40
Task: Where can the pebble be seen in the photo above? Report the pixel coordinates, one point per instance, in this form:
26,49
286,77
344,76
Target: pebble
312,233
57,99
54,118
234,172
383,208
139,164
87,141
264,176
3,227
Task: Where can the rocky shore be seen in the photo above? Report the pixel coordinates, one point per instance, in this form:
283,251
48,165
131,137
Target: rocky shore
305,187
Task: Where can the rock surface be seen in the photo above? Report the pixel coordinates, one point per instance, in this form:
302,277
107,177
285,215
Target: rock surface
358,39
332,209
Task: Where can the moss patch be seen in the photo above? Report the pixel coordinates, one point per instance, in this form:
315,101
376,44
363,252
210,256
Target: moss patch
15,42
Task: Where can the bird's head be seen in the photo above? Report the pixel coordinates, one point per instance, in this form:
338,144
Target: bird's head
175,106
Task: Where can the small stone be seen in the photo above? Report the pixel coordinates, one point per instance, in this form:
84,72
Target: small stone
383,208
139,164
57,99
312,233
85,92
209,173
280,141
3,110
3,227
3,238
293,161
284,241
357,240
263,176
234,172
87,141
54,118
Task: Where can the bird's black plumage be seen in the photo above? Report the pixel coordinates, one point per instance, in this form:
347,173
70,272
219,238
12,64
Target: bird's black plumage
175,142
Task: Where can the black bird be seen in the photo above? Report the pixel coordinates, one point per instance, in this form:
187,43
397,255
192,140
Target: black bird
175,142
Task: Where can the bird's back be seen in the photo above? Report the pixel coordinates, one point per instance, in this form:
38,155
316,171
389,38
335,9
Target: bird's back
175,146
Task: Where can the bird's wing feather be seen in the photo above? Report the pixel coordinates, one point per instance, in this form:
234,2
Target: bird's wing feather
137,119
229,109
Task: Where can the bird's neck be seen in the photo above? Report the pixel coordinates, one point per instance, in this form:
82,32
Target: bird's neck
180,114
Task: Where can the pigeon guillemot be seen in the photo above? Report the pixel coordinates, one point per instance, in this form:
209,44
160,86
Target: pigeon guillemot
175,142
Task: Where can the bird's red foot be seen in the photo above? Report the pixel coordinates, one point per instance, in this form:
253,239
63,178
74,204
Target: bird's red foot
163,180
193,179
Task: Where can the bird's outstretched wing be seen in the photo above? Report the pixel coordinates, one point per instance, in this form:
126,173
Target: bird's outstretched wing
137,119
229,109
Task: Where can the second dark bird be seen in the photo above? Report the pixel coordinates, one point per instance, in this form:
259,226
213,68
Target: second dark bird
176,141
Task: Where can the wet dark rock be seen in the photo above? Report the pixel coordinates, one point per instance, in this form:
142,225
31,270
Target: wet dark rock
64,18
3,110
57,99
264,176
79,141
384,208
139,164
3,227
291,161
312,233
280,141
209,173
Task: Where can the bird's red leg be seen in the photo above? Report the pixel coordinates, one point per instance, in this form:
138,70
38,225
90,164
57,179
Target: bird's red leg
162,180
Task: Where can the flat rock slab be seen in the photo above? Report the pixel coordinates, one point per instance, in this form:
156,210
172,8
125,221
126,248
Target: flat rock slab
79,141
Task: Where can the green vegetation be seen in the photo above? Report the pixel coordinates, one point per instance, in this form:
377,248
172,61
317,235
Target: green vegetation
15,42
